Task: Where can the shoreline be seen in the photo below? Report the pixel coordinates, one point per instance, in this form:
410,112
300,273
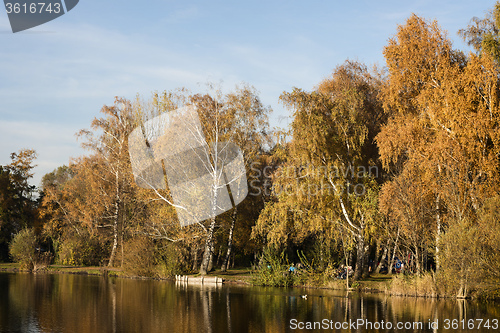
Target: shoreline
375,284
241,276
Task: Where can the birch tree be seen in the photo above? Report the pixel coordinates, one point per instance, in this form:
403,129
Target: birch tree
330,176
484,34
109,141
187,152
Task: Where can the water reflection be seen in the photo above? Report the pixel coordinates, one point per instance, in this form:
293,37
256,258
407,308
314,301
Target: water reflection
74,303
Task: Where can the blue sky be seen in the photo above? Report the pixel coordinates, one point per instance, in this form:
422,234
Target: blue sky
55,78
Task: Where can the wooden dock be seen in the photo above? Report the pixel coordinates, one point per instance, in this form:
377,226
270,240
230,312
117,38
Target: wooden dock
199,279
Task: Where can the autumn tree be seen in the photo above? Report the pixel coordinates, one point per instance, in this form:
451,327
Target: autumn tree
489,232
330,175
443,116
193,138
111,169
484,34
243,121
52,210
407,203
17,205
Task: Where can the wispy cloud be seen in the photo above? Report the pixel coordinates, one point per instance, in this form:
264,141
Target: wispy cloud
188,13
52,84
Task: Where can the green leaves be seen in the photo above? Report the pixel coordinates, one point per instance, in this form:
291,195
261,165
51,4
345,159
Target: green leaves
484,34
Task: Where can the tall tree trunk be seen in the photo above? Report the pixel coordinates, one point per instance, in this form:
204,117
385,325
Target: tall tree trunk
121,243
208,249
417,260
360,257
438,232
381,262
391,263
219,255
205,266
211,258
195,258
347,272
225,263
366,261
115,220
115,244
462,292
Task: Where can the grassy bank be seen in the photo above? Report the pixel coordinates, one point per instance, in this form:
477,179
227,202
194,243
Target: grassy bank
63,269
237,275
242,275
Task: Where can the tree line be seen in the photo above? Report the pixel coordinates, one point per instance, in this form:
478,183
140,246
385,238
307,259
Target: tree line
381,169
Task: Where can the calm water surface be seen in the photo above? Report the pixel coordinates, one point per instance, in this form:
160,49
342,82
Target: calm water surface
77,303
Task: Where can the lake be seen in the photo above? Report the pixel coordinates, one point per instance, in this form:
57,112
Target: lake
80,303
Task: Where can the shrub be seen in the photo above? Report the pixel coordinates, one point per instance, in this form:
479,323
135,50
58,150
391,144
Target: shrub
171,259
461,255
413,285
470,260
272,270
139,256
23,248
81,249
